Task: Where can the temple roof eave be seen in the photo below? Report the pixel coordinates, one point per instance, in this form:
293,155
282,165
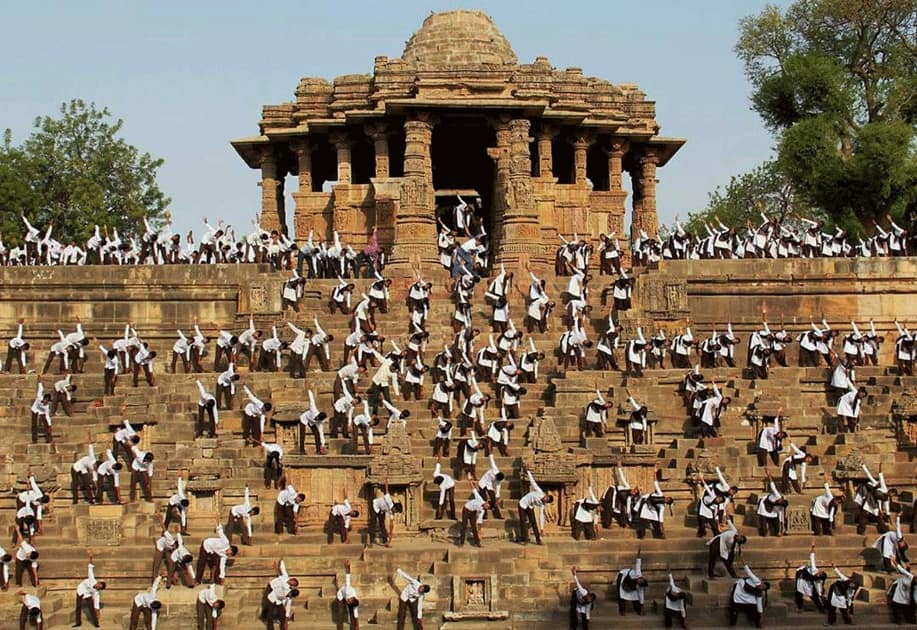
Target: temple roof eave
665,147
249,149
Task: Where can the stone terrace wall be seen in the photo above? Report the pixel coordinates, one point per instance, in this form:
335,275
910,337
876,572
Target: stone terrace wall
841,290
154,298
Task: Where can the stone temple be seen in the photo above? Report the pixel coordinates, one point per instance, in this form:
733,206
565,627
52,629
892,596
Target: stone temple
454,115
545,149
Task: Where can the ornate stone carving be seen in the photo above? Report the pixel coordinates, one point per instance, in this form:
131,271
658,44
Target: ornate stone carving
676,297
543,436
797,520
256,298
99,531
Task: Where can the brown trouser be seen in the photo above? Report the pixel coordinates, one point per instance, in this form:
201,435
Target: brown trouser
205,620
251,427
346,613
92,613
25,566
62,399
81,482
470,519
178,572
273,471
111,378
14,356
337,525
713,556
449,500
106,485
209,424
406,608
378,525
318,352
232,522
143,479
186,366
315,434
147,374
491,498
283,518
364,430
137,612
206,560
40,425
526,520
224,396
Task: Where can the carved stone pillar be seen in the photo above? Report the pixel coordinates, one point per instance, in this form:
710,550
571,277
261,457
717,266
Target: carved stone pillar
520,240
580,148
545,153
615,158
636,205
415,225
341,142
500,154
379,134
304,165
644,217
273,216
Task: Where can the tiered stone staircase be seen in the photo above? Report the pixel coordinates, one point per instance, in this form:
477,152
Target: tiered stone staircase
530,583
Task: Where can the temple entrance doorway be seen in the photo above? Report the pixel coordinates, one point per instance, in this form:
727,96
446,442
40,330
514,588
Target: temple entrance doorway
461,165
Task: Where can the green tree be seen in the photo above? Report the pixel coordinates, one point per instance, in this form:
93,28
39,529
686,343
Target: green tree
75,172
746,196
836,82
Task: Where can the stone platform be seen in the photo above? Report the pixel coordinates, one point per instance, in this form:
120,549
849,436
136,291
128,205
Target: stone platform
501,585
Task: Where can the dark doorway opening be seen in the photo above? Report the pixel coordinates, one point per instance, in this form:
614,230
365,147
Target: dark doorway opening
563,163
362,160
324,162
460,162
597,167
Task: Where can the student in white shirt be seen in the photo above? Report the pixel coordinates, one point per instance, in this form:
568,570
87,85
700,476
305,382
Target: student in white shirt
348,601
724,547
108,474
748,595
145,604
82,477
585,514
446,491
631,587
902,595
823,511
207,608
892,546
410,601
30,611
810,582
241,514
676,605
339,520
840,597
214,553
382,517
534,499
582,601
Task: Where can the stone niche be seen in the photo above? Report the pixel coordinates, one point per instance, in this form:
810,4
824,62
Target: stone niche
474,599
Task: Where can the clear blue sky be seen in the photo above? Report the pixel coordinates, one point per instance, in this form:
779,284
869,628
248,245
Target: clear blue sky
188,76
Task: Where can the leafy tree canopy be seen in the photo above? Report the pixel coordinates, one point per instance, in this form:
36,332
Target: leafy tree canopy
835,81
75,172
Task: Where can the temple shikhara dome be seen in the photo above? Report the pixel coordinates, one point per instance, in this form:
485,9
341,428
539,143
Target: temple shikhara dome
458,38
544,149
